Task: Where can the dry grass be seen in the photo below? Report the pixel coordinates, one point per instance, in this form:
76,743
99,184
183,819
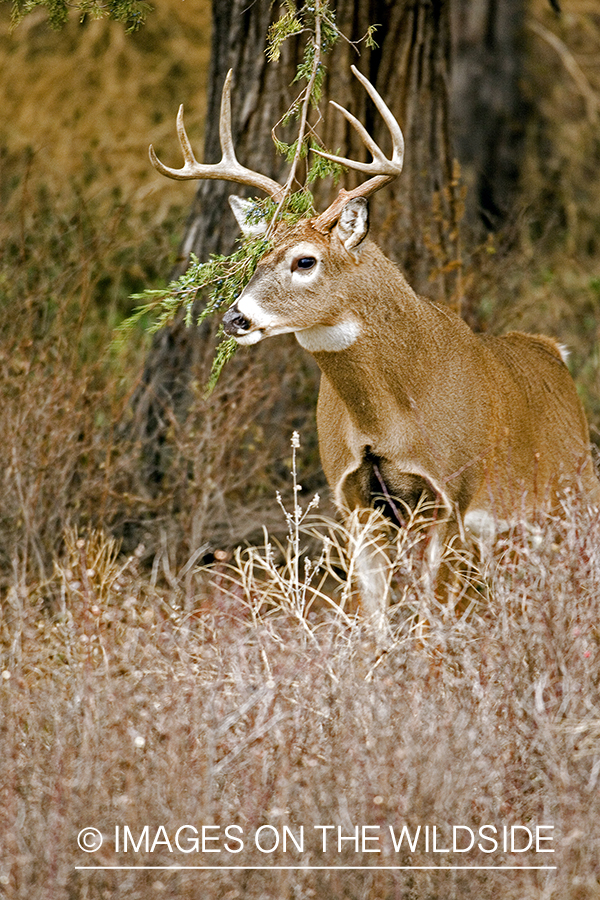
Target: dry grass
129,701
87,101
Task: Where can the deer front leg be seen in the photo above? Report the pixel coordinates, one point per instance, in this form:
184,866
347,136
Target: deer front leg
370,568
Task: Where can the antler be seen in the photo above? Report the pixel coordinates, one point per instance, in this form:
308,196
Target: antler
384,170
381,169
229,169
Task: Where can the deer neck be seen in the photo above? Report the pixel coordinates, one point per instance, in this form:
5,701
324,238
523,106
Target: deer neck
368,355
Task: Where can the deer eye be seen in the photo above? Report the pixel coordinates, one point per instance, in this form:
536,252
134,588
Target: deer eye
303,262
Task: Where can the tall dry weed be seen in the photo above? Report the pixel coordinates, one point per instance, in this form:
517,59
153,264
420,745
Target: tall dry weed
128,707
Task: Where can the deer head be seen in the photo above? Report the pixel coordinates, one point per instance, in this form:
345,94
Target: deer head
299,286
315,251
413,405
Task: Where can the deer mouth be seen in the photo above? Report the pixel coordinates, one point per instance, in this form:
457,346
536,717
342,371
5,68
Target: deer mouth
249,323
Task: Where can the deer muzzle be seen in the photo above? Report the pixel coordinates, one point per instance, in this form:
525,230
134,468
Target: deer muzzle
234,323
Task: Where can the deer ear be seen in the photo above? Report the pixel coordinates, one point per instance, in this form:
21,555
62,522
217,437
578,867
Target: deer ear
353,225
245,213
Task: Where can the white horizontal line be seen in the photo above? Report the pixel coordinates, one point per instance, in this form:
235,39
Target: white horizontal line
299,868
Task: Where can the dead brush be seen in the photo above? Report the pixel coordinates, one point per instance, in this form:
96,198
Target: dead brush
163,719
314,571
93,581
282,577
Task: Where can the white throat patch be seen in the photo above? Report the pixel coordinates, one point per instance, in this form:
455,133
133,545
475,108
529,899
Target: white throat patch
328,338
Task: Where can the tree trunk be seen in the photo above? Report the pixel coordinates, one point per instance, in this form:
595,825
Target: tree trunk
488,111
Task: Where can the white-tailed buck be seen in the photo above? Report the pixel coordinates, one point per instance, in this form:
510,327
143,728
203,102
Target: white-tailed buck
413,405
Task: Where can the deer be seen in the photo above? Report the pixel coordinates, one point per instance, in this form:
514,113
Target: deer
413,405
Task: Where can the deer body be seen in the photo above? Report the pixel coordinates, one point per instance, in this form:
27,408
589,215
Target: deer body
413,405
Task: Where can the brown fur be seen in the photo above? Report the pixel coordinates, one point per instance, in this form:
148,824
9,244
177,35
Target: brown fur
491,425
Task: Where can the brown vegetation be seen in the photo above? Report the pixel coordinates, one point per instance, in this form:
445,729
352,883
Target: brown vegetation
133,703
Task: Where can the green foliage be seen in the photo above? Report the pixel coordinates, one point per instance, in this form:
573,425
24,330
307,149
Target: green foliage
131,13
223,278
299,206
288,25
324,168
369,38
303,18
290,150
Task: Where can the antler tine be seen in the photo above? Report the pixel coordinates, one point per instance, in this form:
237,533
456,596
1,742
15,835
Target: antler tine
228,169
225,136
184,141
380,163
382,169
367,140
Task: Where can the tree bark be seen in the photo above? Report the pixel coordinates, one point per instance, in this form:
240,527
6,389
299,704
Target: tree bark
488,109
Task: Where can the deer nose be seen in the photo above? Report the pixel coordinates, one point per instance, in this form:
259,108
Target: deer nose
234,321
